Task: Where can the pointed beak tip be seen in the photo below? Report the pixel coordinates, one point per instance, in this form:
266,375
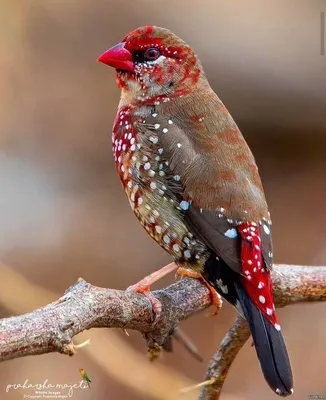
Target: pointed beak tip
117,57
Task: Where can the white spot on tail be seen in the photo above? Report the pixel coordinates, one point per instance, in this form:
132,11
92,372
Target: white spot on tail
262,299
269,311
277,327
260,285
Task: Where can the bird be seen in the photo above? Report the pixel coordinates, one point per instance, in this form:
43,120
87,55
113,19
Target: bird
85,377
193,183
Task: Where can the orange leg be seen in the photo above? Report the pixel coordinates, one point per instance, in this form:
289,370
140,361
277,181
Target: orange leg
144,286
216,298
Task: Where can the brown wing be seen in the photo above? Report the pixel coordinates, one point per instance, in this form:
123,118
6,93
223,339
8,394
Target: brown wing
211,167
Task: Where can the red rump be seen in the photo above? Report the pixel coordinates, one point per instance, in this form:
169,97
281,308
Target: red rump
256,278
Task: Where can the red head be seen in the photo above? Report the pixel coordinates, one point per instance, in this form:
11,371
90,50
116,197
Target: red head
152,61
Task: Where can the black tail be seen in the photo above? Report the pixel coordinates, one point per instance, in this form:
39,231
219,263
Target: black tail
269,342
270,346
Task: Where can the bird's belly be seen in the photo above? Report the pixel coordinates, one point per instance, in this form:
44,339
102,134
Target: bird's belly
158,211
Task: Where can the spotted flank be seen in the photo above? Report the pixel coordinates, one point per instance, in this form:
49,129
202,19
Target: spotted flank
143,172
256,278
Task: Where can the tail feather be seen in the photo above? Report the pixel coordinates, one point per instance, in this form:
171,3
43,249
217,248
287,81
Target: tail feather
270,346
269,342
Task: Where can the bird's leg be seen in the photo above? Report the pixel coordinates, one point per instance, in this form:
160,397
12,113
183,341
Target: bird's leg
144,286
216,298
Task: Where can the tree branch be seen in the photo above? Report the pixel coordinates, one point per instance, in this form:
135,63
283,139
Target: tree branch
83,306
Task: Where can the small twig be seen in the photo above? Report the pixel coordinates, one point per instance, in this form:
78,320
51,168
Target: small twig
181,337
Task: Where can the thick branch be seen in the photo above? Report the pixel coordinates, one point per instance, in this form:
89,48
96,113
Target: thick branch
84,306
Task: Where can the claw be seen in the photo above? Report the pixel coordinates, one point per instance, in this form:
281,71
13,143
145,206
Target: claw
215,297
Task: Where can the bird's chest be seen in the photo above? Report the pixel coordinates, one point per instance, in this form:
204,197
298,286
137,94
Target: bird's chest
135,159
144,172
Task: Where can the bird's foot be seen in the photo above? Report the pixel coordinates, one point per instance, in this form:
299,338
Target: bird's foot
215,297
144,287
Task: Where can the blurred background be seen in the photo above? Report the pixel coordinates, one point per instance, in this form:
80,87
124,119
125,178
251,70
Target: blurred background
63,213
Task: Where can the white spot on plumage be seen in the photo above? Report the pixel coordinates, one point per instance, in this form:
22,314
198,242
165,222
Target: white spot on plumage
224,288
147,166
187,254
152,185
249,262
231,233
156,126
179,145
184,205
158,228
170,121
132,140
154,115
133,148
166,239
269,311
176,247
165,130
277,327
262,299
260,285
129,184
176,177
160,150
140,200
266,229
153,139
145,158
151,173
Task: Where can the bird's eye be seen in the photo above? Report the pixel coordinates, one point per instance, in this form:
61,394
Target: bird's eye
152,54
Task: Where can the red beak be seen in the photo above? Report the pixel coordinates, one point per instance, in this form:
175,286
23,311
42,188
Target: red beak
118,57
